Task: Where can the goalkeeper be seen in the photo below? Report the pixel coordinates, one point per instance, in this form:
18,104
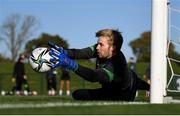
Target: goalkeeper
118,83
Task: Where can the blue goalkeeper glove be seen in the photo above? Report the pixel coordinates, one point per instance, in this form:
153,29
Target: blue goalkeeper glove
59,49
60,58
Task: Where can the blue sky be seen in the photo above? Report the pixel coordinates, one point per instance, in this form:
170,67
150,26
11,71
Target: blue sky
77,21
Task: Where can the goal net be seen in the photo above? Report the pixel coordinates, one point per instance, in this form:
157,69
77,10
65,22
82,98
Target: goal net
165,51
173,58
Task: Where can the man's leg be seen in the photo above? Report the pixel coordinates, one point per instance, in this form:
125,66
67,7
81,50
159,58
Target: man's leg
54,83
68,92
139,83
91,94
142,85
98,94
18,87
61,88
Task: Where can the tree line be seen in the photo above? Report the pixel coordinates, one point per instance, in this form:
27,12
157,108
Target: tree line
142,47
17,31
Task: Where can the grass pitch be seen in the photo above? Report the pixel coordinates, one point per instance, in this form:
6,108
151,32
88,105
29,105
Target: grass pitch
48,105
62,105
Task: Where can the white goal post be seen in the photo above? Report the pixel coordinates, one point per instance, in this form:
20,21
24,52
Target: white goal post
158,50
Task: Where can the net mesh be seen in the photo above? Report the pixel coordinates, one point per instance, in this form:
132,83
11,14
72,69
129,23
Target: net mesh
173,58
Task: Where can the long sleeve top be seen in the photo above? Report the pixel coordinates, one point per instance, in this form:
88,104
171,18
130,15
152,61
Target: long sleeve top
110,73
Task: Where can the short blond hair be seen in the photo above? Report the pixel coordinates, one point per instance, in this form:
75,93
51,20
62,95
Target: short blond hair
115,36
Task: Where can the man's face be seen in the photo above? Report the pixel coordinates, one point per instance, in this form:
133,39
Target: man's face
104,49
22,58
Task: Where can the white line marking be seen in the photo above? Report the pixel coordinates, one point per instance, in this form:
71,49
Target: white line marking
66,104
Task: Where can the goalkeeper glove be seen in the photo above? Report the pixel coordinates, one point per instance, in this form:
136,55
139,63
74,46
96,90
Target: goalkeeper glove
60,58
54,46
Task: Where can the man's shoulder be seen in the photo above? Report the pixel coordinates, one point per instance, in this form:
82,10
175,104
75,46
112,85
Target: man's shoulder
121,58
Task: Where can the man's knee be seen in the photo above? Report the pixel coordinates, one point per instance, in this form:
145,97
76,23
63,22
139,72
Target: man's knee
75,94
81,94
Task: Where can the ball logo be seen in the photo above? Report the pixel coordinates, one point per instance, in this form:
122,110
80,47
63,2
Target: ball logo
40,59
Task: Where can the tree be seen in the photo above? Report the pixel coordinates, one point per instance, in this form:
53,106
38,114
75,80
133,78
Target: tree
15,31
43,40
3,59
143,46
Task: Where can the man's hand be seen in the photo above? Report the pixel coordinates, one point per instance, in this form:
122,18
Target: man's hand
55,47
60,58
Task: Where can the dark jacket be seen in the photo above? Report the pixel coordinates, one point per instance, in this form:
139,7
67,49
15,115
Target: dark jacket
110,73
19,70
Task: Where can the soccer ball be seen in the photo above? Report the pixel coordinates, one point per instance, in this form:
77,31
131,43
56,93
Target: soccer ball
40,59
3,93
34,93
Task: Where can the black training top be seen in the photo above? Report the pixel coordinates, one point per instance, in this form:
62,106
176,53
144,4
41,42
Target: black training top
111,73
19,70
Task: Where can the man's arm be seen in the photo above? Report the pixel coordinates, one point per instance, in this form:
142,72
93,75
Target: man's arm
94,75
61,57
85,53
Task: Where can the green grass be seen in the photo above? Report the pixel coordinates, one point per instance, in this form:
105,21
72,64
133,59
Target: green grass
37,82
124,108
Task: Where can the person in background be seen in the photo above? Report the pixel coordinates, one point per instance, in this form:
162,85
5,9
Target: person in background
51,81
65,79
147,78
19,77
132,64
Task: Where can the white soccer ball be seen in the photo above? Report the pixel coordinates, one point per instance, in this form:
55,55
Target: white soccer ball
34,93
3,93
40,59
25,92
